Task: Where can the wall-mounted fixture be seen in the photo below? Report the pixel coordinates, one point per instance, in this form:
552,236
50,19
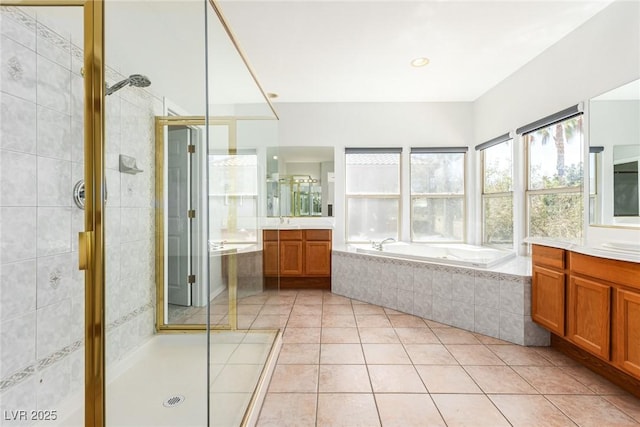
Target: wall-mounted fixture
78,194
128,165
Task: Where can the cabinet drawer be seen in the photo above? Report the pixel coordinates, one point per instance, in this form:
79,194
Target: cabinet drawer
290,234
320,235
550,257
270,235
610,270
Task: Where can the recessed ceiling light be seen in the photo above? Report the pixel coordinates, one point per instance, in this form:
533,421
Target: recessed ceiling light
420,62
272,95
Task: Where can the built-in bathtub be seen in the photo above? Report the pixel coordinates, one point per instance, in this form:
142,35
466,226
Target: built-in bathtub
450,254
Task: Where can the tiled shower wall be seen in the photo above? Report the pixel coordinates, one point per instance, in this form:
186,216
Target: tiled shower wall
41,158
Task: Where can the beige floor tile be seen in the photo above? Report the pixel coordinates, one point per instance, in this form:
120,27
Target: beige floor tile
269,321
309,299
306,309
294,379
446,379
595,382
288,410
473,410
392,311
406,321
378,336
455,336
299,354
338,321
385,354
430,354
245,320
276,309
344,379
347,410
417,336
360,309
517,355
592,411
551,380
408,410
337,309
473,354
301,335
333,299
499,379
530,411
434,324
627,403
249,309
300,321
340,335
395,379
555,357
484,339
341,354
372,321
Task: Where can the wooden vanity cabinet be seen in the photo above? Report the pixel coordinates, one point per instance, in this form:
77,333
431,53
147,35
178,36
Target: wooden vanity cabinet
297,258
548,288
601,311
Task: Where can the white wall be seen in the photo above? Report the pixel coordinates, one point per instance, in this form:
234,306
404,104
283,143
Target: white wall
343,125
602,54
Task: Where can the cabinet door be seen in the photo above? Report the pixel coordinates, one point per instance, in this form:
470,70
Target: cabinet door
318,258
628,326
547,299
291,258
588,315
270,260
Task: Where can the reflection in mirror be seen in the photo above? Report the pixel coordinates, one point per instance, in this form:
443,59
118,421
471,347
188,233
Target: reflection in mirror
614,139
300,181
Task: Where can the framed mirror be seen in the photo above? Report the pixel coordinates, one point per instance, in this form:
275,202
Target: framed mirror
300,181
614,157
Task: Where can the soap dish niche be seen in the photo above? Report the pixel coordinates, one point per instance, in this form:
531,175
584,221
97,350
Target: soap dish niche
128,165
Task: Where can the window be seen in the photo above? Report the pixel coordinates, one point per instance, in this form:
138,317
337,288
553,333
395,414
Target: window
233,198
497,193
372,194
437,194
554,185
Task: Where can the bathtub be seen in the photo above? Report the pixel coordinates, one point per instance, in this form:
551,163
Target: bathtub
451,254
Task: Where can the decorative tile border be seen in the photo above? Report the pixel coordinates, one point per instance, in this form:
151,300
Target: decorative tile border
17,377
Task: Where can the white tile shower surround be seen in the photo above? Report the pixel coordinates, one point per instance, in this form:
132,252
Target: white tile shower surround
41,158
492,303
175,365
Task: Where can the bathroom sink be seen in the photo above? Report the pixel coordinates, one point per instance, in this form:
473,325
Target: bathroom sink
624,247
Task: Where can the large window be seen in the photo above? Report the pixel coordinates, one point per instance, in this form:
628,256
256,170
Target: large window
372,194
554,187
233,197
497,193
437,194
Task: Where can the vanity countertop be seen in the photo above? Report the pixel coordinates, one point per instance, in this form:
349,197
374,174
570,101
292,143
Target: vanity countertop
613,250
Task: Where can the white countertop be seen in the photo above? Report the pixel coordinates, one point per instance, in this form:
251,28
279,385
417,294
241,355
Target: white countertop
621,251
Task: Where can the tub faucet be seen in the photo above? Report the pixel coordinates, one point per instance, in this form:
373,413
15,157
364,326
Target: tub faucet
378,246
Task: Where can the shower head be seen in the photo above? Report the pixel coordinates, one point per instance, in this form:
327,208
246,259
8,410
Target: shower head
137,80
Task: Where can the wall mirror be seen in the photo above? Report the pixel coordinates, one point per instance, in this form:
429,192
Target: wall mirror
614,157
300,181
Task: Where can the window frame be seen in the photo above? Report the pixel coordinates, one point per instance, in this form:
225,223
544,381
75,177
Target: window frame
373,196
433,196
484,195
567,190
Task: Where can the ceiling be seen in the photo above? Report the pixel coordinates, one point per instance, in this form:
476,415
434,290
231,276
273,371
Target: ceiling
360,51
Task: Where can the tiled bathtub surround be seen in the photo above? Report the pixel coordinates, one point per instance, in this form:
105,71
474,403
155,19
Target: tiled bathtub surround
490,303
41,158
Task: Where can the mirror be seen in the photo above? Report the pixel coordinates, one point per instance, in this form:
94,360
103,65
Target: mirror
614,157
300,181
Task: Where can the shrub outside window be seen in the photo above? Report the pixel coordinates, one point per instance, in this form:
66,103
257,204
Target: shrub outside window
497,195
554,189
437,194
372,194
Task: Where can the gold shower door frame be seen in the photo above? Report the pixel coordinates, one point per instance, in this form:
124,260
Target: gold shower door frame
91,241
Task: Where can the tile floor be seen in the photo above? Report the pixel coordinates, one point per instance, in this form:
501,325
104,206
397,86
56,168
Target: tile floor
347,363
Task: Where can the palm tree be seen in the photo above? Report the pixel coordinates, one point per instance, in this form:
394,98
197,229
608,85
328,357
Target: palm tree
563,132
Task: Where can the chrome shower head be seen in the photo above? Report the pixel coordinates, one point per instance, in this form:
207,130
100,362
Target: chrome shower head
137,80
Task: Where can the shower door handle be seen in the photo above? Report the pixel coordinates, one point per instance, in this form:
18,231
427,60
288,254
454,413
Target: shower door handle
85,240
